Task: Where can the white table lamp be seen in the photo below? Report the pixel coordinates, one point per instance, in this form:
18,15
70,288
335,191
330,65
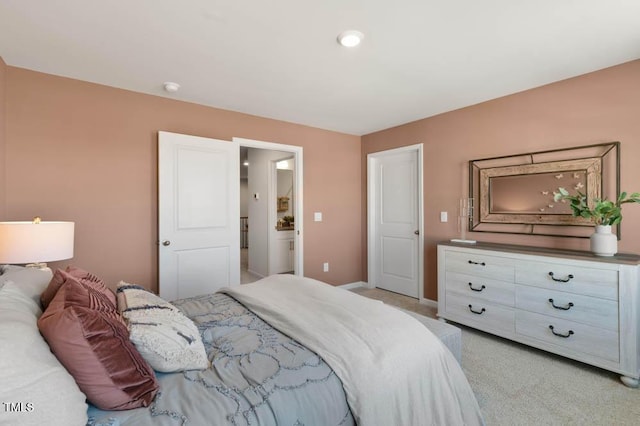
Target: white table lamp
35,242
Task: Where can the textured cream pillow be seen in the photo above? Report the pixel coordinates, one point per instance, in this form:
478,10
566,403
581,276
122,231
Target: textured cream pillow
34,387
164,336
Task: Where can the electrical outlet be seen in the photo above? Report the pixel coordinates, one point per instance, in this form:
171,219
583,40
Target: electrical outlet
325,267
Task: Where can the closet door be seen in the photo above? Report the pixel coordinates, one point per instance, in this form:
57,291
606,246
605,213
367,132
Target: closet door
198,215
395,220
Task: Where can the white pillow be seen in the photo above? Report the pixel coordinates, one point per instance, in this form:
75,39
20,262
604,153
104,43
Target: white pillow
33,383
8,268
164,336
31,281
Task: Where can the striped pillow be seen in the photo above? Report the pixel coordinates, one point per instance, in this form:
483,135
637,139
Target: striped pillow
163,335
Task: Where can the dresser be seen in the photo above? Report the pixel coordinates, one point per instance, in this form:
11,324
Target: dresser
571,303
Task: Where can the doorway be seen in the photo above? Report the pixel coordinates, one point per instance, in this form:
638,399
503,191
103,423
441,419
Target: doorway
395,220
199,210
273,209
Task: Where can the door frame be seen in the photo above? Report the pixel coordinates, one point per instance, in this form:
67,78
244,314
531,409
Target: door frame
372,230
298,235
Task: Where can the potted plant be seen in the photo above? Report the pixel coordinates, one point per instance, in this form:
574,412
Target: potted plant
603,213
288,220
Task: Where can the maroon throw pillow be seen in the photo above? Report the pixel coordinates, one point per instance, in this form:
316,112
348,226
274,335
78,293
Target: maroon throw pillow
85,278
83,296
94,346
93,281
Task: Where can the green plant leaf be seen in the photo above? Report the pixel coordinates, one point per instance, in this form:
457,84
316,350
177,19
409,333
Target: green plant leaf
622,196
599,211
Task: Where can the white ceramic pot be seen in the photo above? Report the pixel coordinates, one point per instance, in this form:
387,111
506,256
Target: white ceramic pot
603,242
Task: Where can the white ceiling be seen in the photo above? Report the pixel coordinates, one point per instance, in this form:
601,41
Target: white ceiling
279,58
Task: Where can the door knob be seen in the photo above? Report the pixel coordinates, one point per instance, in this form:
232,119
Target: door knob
417,232
166,243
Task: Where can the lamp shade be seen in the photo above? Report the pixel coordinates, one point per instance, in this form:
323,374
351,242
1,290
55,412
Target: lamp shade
31,242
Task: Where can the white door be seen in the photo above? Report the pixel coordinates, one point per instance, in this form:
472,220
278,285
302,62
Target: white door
395,220
198,215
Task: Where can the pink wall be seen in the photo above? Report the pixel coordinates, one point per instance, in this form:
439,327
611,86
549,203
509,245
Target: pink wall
84,152
598,107
3,75
87,153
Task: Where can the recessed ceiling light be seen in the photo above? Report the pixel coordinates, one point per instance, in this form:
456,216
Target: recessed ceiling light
350,38
171,87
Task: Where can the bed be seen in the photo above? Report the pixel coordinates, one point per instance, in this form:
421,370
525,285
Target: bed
285,350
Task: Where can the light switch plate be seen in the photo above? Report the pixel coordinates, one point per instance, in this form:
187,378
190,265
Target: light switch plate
443,216
317,216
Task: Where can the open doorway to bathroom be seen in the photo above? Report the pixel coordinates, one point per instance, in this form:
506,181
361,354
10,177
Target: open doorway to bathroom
270,209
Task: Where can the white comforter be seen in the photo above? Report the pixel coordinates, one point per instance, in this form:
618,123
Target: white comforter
394,371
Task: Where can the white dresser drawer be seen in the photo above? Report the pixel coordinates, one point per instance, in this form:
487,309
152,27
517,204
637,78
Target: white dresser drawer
479,313
488,289
574,278
592,311
600,297
479,265
572,335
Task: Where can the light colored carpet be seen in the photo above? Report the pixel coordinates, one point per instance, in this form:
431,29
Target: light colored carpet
519,385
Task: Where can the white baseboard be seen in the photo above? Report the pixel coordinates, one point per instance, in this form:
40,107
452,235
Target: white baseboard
429,302
350,286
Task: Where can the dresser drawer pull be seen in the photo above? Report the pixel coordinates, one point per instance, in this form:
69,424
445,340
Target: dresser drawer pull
564,308
560,280
476,289
480,312
566,336
477,263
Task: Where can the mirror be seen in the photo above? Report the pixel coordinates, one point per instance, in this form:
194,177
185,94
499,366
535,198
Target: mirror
515,193
284,191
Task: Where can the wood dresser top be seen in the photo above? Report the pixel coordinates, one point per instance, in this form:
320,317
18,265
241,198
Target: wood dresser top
620,258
